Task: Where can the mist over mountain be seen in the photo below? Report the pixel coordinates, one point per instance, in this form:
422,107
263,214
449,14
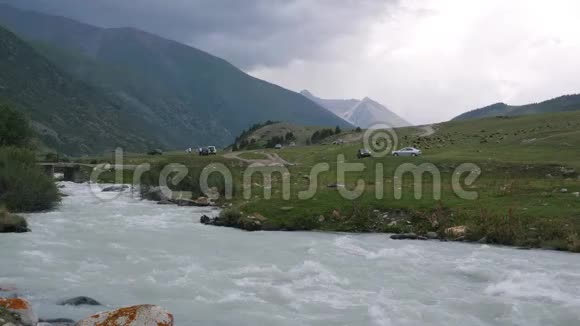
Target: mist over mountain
362,113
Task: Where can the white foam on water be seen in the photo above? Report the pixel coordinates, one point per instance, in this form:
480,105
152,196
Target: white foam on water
127,251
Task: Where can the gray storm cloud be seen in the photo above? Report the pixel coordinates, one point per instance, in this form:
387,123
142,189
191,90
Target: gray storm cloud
247,33
428,60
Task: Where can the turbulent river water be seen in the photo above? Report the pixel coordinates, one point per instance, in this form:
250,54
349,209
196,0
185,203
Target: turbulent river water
126,251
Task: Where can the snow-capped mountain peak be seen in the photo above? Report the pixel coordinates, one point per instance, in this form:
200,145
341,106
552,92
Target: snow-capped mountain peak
362,113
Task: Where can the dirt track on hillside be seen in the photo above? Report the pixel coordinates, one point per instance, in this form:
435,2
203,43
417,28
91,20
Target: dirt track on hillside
428,130
270,159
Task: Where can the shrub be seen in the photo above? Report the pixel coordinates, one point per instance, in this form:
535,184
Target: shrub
23,185
497,229
14,128
230,216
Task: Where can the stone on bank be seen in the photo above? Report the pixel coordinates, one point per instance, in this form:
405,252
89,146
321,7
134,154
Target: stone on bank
10,223
142,315
20,309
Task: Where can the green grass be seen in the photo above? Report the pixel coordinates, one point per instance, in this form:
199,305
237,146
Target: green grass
519,190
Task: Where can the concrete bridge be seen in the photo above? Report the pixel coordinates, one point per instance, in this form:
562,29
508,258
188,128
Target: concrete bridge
73,171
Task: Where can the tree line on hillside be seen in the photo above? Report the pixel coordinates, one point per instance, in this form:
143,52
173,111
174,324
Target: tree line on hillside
243,142
282,140
320,135
23,185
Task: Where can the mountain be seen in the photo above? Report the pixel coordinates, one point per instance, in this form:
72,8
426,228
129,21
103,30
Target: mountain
189,96
362,113
67,114
560,104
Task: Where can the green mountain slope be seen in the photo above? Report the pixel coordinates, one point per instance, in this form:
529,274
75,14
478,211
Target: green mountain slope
69,115
192,97
560,104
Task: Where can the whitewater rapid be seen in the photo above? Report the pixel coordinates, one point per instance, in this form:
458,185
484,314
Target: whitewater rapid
126,251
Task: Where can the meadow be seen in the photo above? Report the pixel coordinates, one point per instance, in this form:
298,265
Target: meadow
526,190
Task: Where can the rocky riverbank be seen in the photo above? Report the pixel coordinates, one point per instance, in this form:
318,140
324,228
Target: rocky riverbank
12,223
17,311
402,225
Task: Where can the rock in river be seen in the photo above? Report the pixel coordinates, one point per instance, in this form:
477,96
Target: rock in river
404,236
58,322
118,188
432,235
142,315
80,301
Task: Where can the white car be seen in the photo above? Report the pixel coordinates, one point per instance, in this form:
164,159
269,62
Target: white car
408,151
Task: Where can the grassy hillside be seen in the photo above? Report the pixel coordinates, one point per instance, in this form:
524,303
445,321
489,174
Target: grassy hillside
192,97
527,190
560,104
67,114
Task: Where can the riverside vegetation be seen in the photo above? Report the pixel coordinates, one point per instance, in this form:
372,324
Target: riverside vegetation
528,191
23,185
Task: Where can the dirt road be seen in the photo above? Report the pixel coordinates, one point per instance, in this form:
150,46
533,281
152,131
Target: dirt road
269,159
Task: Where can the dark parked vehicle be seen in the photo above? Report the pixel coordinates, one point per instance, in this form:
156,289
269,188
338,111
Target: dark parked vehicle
204,151
210,150
362,153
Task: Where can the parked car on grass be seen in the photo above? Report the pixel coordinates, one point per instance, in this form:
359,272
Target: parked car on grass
362,153
205,151
408,151
278,146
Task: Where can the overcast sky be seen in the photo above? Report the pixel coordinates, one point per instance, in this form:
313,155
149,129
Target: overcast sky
427,60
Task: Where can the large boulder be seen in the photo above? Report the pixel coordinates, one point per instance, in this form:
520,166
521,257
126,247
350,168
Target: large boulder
456,232
10,223
405,236
116,188
80,301
21,308
142,315
153,193
203,201
432,235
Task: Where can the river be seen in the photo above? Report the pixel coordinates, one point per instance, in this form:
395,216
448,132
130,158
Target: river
126,251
